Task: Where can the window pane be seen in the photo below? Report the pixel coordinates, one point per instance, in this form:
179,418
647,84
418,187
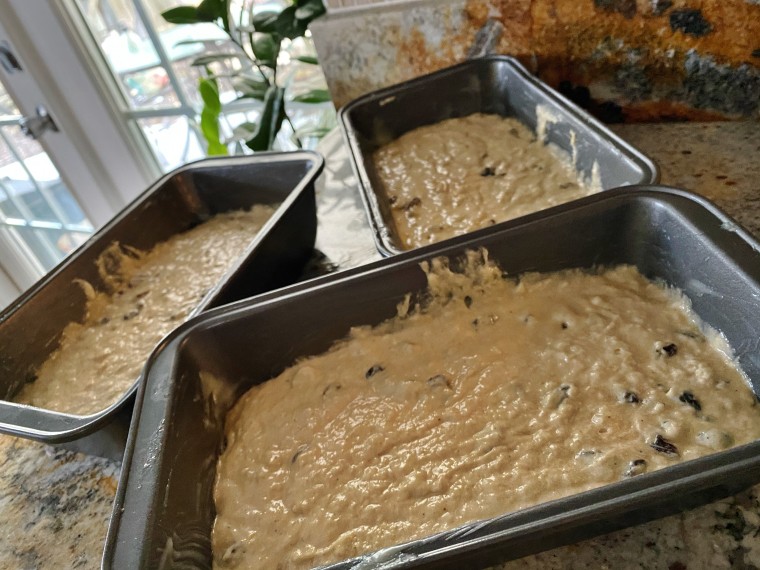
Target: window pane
7,106
35,201
152,61
36,181
126,41
174,140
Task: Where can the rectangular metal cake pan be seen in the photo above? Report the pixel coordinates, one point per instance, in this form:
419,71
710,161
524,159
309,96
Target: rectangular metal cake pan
164,508
31,328
494,84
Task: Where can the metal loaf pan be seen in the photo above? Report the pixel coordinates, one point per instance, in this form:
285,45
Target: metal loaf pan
493,84
164,509
31,328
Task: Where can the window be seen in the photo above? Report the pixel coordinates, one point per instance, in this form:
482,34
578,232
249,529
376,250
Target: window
155,82
119,84
36,207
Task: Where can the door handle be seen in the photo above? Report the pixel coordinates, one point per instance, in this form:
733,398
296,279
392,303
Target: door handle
37,125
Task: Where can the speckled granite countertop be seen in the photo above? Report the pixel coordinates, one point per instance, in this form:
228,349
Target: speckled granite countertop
55,505
720,161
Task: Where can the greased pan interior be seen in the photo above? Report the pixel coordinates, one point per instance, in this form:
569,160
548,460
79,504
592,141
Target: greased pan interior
164,507
31,328
494,84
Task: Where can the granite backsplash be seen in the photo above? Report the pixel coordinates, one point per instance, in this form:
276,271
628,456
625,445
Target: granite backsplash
625,60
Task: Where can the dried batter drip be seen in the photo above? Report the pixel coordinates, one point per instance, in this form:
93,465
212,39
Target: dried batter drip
498,396
463,174
151,294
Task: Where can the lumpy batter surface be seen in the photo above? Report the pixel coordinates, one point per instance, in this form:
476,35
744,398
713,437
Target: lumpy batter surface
463,174
153,292
499,395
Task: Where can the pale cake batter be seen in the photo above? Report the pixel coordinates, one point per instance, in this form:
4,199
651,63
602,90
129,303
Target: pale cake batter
463,174
497,396
153,292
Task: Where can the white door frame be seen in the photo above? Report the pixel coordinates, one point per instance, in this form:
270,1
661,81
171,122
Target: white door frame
101,163
98,160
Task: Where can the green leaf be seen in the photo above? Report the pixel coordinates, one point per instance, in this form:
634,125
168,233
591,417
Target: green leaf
290,26
210,75
265,47
282,23
244,131
265,21
250,88
182,15
272,117
243,82
210,94
317,132
217,149
188,42
212,106
307,11
313,96
307,59
311,132
212,10
212,57
210,130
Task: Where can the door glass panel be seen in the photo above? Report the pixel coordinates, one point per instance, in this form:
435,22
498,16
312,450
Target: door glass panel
34,202
7,106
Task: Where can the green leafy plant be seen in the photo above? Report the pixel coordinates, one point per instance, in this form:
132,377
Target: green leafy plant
258,39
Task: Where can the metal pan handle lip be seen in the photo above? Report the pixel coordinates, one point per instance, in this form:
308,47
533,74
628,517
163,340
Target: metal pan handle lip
50,426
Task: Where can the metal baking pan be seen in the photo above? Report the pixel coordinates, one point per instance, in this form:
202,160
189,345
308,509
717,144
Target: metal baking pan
493,84
30,329
164,507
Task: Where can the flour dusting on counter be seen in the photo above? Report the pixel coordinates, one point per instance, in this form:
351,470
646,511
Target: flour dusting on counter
151,294
495,395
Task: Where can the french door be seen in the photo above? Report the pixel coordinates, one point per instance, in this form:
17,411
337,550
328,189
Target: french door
40,219
53,191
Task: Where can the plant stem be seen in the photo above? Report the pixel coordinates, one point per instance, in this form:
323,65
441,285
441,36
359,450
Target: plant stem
242,49
299,143
256,63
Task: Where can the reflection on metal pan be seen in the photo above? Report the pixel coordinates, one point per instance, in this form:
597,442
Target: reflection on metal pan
666,233
493,84
31,328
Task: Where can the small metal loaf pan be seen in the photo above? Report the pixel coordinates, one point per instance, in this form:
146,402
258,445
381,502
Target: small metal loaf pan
164,508
30,329
494,84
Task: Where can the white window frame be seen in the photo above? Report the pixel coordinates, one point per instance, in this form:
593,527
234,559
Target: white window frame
104,165
113,93
100,152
